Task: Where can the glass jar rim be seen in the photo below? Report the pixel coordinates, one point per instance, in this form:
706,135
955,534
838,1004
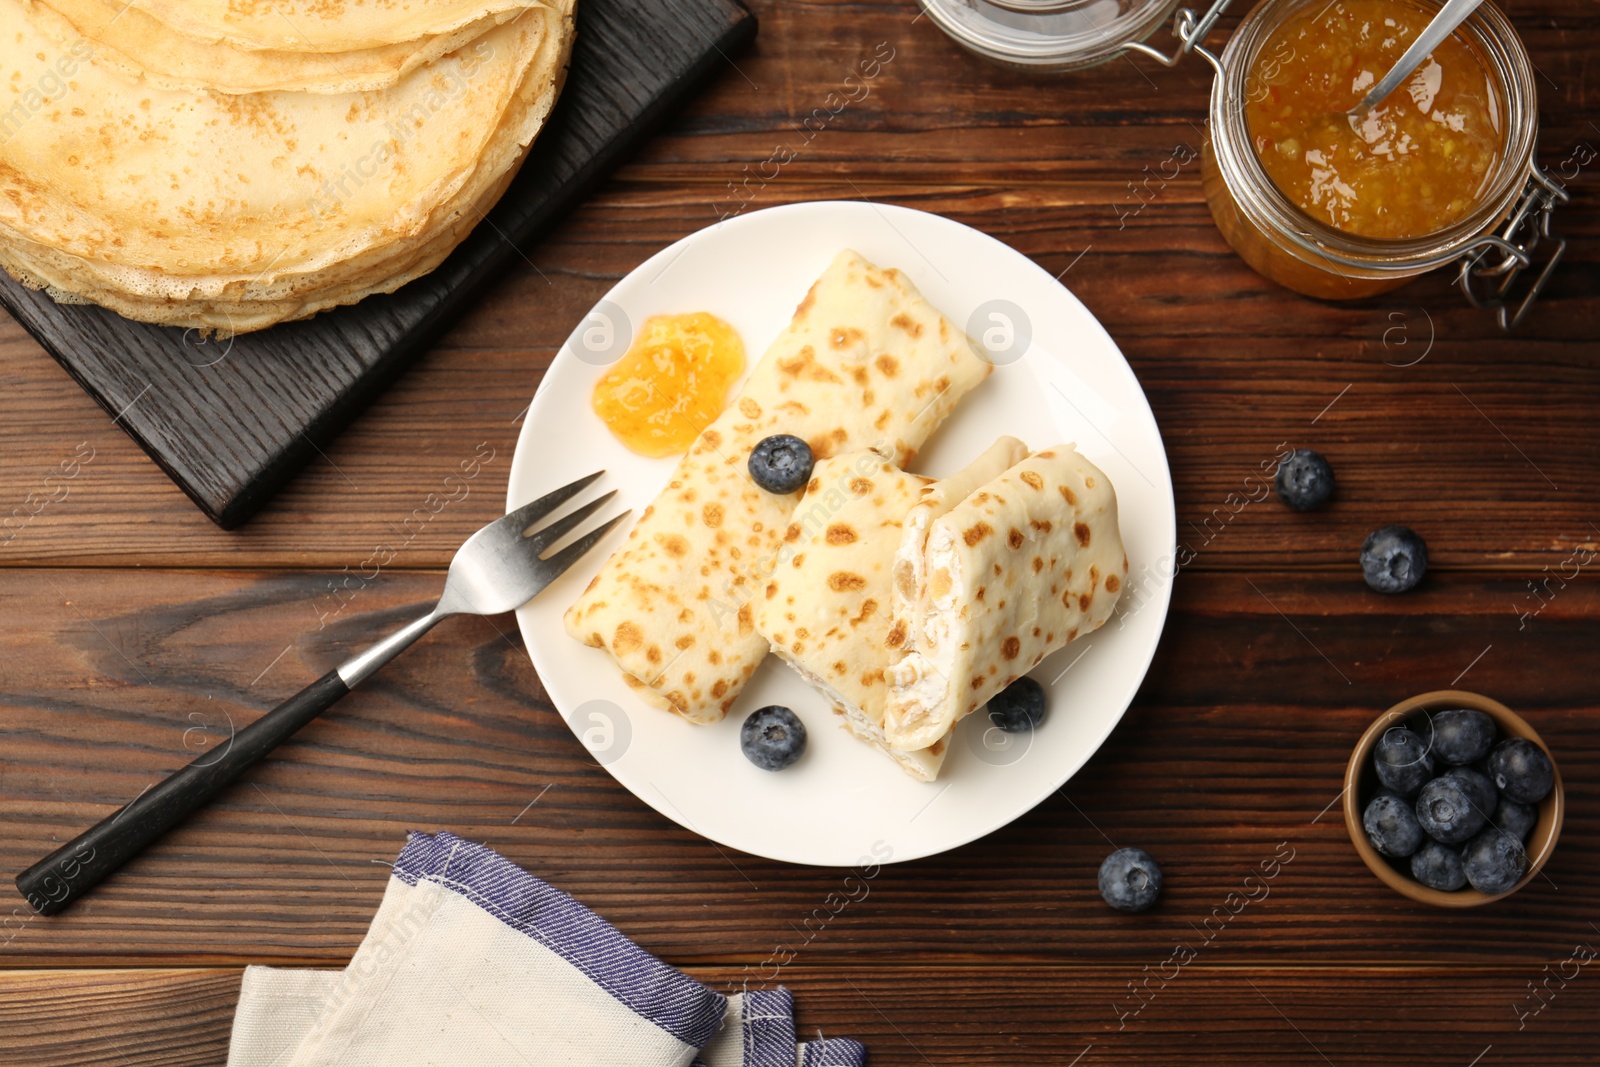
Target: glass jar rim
1096,43
1282,219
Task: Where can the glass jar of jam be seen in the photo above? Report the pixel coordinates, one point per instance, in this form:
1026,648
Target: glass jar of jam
1336,207
1441,172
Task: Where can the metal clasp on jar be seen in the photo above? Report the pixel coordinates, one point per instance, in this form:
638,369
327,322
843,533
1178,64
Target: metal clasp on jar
1486,278
1191,30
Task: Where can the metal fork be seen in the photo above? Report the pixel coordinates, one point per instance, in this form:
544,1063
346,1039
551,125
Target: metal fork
498,569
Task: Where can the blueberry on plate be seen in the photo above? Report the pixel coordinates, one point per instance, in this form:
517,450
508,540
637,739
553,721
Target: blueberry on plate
1516,818
1494,861
1019,707
1393,559
1391,825
1521,770
781,463
1438,867
1130,880
1448,811
1304,480
772,737
1479,789
1462,735
1402,760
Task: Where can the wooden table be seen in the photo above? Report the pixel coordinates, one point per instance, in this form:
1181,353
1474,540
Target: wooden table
135,632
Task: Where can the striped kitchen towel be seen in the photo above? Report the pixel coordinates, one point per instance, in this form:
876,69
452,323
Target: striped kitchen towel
471,960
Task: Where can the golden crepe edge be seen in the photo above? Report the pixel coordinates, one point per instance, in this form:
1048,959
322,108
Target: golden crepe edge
1025,564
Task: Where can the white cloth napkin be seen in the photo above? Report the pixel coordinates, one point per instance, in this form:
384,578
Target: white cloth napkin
471,960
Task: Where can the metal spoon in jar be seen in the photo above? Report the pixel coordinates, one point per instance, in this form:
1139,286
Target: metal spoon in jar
1451,15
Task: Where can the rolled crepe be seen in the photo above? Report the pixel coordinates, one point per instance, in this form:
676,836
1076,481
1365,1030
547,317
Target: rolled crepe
865,361
1028,562
827,609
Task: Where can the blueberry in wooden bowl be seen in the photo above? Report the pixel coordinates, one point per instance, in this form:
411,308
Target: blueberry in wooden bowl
1486,793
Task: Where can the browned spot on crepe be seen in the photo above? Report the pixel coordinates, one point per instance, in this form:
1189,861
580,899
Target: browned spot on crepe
1032,479
905,322
845,582
1113,583
1081,532
711,515
840,533
977,533
844,336
887,365
686,641
1015,538
897,635
749,408
1069,496
1010,648
627,638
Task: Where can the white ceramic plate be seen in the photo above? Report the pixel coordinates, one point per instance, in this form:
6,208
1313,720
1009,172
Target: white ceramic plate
844,800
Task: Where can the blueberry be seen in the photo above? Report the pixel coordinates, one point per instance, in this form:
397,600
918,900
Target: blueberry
1448,811
1494,861
1402,760
1019,707
781,463
1438,867
1479,789
1461,735
1393,559
1391,825
1130,880
1521,770
772,737
1304,481
1516,819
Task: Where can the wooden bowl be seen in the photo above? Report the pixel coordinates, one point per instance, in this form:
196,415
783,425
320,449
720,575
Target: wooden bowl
1361,781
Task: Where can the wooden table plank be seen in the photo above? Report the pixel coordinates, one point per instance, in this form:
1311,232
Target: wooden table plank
1486,446
975,1016
1232,754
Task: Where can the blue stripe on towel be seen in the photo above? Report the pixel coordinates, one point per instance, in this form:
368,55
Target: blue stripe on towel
833,1052
649,988
768,1020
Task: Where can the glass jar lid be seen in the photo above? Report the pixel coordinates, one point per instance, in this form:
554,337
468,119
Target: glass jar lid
1049,35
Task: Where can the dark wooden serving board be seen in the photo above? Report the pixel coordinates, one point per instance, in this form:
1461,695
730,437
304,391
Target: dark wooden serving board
231,421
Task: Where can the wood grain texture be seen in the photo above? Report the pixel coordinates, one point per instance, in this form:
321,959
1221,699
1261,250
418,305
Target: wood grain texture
135,629
1481,427
1232,754
975,1016
232,419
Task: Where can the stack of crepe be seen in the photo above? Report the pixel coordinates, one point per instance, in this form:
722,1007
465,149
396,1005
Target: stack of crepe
906,602
228,166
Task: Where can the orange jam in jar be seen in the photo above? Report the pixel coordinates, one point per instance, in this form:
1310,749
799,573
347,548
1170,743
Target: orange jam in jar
671,384
1412,165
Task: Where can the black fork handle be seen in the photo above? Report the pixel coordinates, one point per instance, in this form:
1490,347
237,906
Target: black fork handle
74,868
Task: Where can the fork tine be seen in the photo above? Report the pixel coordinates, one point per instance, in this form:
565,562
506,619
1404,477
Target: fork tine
559,562
546,536
528,514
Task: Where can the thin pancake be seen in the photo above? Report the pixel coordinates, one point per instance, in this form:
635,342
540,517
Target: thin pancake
825,610
318,25
288,227
1027,563
866,361
140,46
